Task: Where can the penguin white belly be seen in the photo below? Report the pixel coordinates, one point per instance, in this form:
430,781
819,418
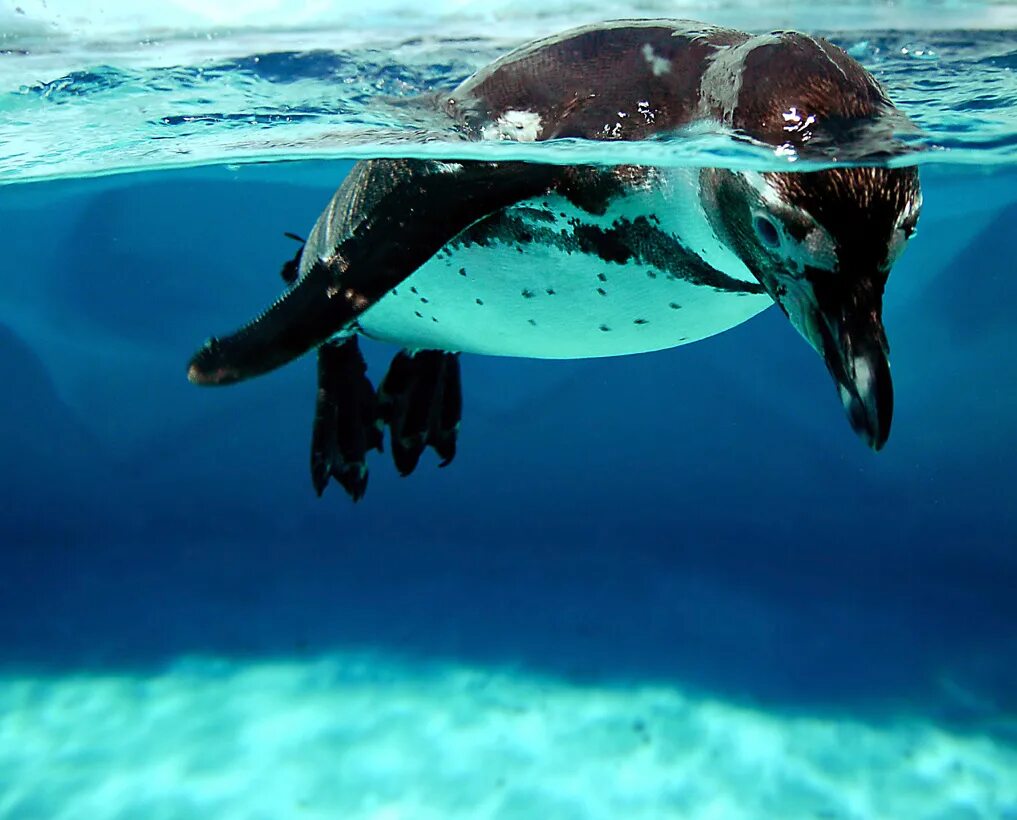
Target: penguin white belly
548,280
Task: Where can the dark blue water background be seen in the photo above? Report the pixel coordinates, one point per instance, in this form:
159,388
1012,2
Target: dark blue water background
702,516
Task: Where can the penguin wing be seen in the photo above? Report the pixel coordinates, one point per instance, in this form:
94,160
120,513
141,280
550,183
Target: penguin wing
387,219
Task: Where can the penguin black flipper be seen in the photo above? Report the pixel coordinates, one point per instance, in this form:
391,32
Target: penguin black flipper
346,420
351,259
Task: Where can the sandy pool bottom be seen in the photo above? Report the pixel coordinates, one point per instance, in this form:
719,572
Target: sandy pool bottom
363,736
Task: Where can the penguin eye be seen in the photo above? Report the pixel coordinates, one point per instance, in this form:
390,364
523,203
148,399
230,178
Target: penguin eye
766,231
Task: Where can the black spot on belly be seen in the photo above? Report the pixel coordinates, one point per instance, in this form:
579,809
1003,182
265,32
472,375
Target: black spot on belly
532,322
605,328
602,292
424,300
413,289
640,322
528,294
434,320
674,306
550,291
480,301
602,277
395,292
651,274
462,271
418,314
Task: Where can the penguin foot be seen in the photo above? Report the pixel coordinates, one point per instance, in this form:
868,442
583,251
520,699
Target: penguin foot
421,401
346,420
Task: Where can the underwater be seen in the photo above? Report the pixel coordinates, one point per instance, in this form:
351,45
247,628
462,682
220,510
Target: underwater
679,584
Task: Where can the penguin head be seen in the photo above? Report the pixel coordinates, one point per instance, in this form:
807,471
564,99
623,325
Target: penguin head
822,244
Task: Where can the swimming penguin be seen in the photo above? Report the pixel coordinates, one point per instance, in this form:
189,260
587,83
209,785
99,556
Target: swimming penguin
549,261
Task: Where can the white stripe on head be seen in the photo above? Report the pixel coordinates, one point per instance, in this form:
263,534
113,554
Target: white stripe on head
767,192
821,50
722,80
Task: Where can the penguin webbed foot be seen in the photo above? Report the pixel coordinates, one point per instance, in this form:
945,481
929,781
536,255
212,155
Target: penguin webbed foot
346,420
420,400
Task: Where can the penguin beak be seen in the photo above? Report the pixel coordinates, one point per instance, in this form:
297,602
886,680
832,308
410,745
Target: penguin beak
855,354
846,329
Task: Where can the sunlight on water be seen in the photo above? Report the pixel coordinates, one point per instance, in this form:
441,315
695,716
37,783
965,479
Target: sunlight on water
366,736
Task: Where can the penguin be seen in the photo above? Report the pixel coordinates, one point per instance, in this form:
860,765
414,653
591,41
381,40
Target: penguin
511,258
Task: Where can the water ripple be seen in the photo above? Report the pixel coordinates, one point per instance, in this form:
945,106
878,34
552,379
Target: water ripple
133,111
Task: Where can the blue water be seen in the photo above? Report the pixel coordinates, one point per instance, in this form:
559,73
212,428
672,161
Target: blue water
650,563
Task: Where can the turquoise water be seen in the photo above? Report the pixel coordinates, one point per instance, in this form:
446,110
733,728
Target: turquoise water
663,586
